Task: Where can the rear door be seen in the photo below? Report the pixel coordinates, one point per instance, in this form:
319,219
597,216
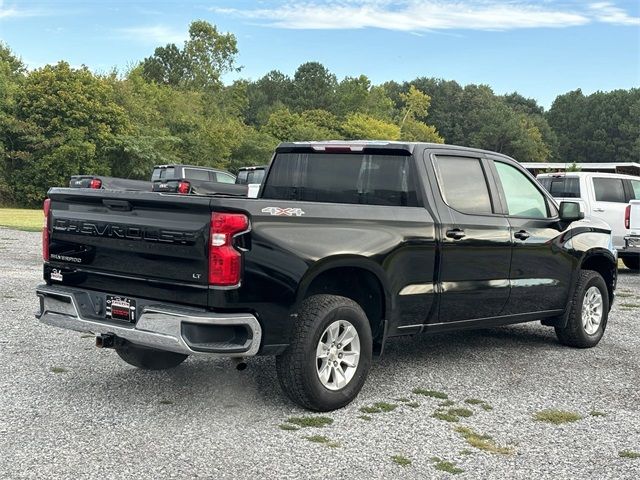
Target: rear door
540,273
475,239
608,203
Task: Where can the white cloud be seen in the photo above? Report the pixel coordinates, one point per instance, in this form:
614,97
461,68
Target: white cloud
10,11
153,34
425,15
607,12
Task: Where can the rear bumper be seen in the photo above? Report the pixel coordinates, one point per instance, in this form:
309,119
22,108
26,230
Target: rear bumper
631,246
163,326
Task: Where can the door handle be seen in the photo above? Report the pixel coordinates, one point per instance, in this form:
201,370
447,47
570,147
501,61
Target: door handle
522,235
456,233
598,209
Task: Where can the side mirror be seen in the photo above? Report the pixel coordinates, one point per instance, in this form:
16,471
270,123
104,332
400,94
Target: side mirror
570,211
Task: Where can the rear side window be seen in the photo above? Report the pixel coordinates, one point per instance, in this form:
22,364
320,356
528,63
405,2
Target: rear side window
342,178
562,187
255,176
196,174
463,184
609,190
242,177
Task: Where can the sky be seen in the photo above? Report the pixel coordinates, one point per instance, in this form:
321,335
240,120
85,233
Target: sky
539,48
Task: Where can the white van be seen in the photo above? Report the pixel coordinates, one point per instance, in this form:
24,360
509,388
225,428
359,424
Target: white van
602,195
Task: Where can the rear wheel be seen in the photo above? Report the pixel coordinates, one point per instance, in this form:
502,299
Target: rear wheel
632,263
589,311
329,357
148,358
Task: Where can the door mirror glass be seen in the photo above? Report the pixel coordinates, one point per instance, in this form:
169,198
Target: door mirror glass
570,211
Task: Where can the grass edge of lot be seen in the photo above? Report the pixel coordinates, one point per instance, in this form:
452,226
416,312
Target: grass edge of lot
27,220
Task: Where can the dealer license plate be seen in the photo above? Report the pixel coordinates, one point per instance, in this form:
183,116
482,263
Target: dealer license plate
121,308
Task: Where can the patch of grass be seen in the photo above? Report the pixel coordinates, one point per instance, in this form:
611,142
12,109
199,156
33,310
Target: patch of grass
288,427
630,305
435,459
628,454
447,417
482,442
402,399
58,370
379,407
557,416
401,460
474,401
487,407
323,440
413,404
448,467
597,413
466,451
624,294
317,422
460,412
431,393
447,403
366,418
166,402
21,219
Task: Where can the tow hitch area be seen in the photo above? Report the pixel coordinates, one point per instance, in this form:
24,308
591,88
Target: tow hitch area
105,340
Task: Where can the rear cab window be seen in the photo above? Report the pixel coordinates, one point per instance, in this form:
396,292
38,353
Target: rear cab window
354,178
196,174
463,184
164,173
562,187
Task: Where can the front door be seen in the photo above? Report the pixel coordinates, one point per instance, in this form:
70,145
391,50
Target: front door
473,279
541,269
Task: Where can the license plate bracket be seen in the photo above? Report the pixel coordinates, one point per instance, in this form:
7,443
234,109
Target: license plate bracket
121,308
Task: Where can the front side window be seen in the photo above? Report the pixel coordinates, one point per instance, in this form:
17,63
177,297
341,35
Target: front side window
342,178
463,185
224,178
522,197
609,190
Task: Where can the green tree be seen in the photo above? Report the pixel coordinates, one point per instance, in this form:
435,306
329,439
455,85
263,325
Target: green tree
359,126
206,56
313,87
285,125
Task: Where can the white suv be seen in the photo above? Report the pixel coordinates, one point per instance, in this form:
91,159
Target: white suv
602,195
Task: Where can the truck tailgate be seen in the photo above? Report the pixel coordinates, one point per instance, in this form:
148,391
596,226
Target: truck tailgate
141,243
634,217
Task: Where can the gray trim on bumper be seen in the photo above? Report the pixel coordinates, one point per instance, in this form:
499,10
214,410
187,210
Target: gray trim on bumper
158,326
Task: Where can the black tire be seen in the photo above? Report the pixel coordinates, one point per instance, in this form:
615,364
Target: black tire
296,367
574,333
632,263
148,358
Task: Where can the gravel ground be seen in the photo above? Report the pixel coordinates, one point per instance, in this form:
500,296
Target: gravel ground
69,410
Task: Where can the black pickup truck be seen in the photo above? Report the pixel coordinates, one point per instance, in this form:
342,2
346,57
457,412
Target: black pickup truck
347,245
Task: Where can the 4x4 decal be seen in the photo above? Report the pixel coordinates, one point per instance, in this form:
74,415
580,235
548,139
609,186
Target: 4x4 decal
288,212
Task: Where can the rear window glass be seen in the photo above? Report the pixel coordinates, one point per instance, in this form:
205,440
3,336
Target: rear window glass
635,188
162,173
342,178
224,178
562,187
609,190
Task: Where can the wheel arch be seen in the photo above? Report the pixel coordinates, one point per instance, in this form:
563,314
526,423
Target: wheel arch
605,263
358,278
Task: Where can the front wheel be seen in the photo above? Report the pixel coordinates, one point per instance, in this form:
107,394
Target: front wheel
588,314
329,357
148,358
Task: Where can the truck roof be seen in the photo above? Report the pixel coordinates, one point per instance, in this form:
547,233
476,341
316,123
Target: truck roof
587,174
359,145
182,165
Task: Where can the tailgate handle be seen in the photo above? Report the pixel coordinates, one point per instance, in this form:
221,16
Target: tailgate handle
122,205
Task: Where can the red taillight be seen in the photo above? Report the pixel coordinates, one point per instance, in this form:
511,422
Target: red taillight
225,262
95,183
627,217
46,208
184,187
